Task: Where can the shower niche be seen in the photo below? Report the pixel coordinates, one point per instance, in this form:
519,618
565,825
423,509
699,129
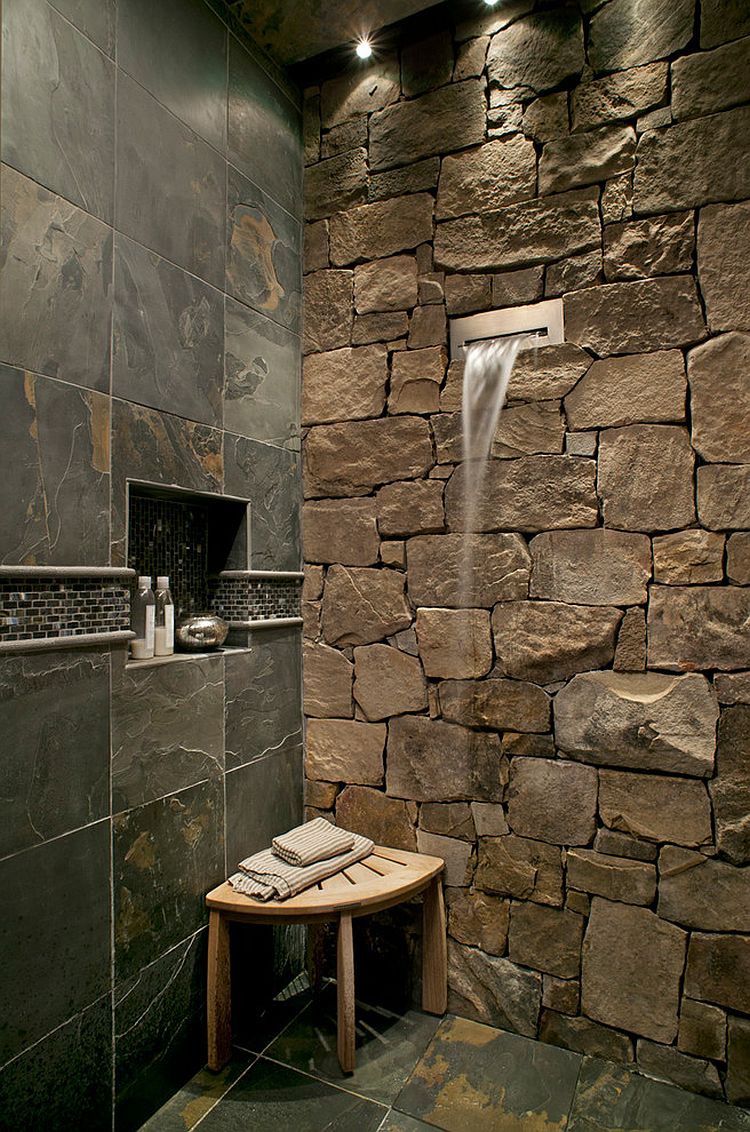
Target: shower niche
190,536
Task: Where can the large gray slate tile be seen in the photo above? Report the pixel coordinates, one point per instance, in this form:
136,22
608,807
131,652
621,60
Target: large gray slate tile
263,255
388,1046
55,935
55,285
168,336
58,97
191,1103
176,49
270,478
158,448
610,1097
170,185
166,998
54,711
475,1076
55,444
65,1080
95,18
262,385
166,856
276,1099
263,697
264,130
167,728
264,798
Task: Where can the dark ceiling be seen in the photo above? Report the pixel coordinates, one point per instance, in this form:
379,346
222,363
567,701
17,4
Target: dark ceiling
294,30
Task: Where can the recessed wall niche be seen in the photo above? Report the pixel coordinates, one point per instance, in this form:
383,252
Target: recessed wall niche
189,536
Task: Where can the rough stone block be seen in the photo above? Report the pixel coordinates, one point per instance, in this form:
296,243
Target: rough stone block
372,814
692,1073
455,853
658,245
738,558
631,882
428,327
647,721
321,795
632,968
427,63
618,96
546,118
655,807
738,1062
360,91
724,496
733,688
532,493
336,183
327,682
361,605
718,970
489,819
381,229
646,477
328,310
703,1029
521,286
597,567
502,705
478,919
388,682
416,376
561,995
615,844
581,443
444,120
722,20
698,627
573,273
627,33
393,553
526,745
454,642
617,199
545,641
630,654
719,377
529,429
584,1036
341,530
500,172
522,868
519,235
381,327
500,569
352,458
586,159
345,136
433,761
465,294
689,558
724,265
627,318
538,52
470,58
547,373
414,507
698,892
492,990
547,939
552,800
386,284
694,163
344,384
344,750
312,586
315,254
707,81
408,179
451,819
730,790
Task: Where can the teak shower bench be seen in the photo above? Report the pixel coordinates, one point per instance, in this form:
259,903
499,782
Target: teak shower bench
385,878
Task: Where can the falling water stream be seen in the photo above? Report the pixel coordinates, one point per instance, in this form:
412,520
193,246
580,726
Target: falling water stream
487,372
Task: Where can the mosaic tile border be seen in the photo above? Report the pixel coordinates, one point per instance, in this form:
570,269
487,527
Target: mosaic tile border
45,606
243,597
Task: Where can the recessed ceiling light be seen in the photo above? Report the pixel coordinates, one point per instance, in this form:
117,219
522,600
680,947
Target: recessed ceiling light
364,49
490,3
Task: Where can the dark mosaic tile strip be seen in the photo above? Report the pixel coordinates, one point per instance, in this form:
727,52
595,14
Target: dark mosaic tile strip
48,607
255,599
168,537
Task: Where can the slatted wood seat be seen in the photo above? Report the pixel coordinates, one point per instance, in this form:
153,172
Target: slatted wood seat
385,878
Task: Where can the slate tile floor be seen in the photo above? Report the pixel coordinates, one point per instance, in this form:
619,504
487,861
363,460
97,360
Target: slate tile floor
416,1073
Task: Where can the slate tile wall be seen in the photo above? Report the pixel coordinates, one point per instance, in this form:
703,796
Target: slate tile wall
556,741
128,351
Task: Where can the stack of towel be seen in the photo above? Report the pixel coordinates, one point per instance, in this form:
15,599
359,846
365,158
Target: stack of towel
298,859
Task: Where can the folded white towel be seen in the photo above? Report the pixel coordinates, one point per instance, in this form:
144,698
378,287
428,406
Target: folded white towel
316,840
265,876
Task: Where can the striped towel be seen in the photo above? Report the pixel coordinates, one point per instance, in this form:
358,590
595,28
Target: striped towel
314,841
266,877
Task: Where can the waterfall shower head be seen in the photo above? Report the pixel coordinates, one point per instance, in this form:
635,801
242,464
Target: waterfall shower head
542,323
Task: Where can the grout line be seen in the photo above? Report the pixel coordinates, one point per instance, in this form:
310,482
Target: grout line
323,1081
226,1092
57,837
27,1049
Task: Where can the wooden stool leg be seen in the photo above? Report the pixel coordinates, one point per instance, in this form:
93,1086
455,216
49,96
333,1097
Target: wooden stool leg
434,951
345,993
219,992
315,938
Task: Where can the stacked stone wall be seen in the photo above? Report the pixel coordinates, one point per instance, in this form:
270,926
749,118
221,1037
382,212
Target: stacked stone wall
576,744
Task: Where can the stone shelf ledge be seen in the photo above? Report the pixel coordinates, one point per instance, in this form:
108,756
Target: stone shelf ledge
159,661
287,574
50,644
66,572
266,623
